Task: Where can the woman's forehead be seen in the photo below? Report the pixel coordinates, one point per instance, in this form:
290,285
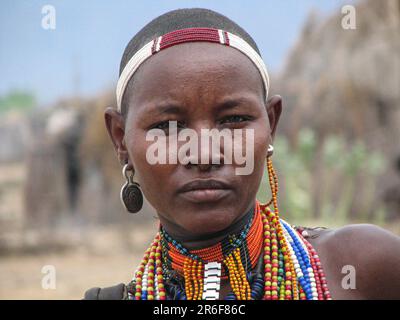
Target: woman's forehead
202,69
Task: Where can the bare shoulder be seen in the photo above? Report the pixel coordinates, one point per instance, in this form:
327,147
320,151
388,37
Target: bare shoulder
363,241
372,251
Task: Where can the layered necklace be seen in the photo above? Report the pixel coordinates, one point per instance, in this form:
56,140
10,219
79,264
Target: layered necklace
267,260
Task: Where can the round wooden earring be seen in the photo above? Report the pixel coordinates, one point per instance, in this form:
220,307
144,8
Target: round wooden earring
131,195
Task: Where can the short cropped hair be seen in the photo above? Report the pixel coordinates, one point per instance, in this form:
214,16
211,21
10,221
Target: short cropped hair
181,19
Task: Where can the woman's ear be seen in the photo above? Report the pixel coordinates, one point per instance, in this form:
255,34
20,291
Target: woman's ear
115,124
274,109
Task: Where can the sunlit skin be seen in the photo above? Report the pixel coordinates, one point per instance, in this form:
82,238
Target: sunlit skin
203,85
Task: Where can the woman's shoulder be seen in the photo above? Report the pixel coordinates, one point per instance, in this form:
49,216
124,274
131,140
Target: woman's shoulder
117,292
357,236
356,240
372,253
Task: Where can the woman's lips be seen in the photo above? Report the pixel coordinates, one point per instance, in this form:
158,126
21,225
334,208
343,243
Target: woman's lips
205,195
204,190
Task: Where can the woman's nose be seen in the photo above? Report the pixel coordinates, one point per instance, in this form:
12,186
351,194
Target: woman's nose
208,152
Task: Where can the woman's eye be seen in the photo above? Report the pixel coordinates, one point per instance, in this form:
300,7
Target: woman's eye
234,119
161,125
167,125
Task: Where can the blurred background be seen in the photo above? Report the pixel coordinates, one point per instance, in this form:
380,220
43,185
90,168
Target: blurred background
337,148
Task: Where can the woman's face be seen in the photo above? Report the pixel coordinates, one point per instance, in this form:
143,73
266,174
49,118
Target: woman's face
200,86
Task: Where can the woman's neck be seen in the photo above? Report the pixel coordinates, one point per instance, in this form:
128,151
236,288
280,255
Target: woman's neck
206,240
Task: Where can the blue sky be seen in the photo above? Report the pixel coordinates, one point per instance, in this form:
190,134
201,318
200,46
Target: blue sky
90,37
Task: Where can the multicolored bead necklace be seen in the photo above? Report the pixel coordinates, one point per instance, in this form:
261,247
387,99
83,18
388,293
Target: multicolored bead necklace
268,259
234,255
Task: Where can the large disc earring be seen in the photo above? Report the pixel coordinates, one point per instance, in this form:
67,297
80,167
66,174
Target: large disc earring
131,195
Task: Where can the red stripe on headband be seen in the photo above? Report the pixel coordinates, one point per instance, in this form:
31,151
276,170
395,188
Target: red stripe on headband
189,35
226,38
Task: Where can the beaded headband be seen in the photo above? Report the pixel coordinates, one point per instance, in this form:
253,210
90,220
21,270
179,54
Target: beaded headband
188,35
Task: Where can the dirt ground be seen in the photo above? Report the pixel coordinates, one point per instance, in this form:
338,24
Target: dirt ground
21,277
107,261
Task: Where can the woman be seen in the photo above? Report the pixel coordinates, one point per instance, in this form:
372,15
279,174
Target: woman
196,69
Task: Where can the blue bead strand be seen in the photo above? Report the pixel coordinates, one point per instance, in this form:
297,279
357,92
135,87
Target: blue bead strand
303,260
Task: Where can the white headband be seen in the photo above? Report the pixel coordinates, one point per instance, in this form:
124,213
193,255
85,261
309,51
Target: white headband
188,35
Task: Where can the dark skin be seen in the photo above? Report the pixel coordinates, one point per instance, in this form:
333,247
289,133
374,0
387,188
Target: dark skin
203,85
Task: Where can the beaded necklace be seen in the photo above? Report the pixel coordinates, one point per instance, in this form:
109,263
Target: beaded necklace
236,254
292,269
269,260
